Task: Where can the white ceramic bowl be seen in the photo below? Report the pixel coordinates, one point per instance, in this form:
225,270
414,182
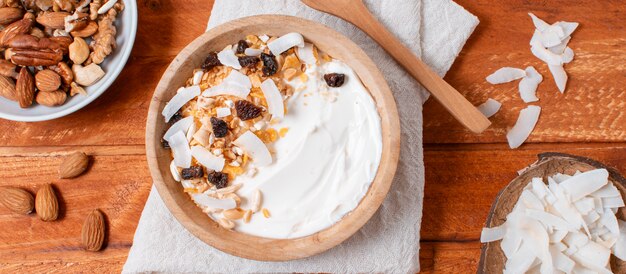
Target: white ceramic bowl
126,24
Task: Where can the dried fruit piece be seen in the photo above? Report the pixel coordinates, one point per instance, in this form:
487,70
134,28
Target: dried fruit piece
17,200
25,88
249,61
242,45
218,179
247,110
73,164
93,231
175,118
334,79
220,128
47,80
192,172
211,61
46,203
270,66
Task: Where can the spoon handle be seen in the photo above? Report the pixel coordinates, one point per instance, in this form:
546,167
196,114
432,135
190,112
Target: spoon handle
449,97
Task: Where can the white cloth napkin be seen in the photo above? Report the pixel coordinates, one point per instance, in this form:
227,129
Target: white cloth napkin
435,30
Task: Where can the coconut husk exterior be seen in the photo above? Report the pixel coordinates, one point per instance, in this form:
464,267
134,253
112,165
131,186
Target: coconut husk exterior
492,259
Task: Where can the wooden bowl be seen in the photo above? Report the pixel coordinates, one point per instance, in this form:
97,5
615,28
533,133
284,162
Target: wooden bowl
492,259
244,245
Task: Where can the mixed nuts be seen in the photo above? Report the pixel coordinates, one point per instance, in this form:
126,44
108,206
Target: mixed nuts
54,47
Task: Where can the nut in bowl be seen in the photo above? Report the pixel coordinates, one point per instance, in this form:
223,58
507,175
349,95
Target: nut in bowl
247,110
60,57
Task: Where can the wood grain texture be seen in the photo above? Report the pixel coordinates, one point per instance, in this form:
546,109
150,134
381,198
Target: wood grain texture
112,129
356,12
241,244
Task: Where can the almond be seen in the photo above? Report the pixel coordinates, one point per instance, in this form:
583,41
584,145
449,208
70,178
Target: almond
47,80
17,200
73,164
93,231
7,88
25,88
46,203
87,31
53,19
51,98
9,15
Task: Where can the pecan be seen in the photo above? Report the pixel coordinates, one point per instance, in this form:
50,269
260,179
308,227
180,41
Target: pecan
28,50
17,27
25,88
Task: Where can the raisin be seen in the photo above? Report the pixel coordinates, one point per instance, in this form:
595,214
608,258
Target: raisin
270,66
220,128
249,61
175,118
241,46
218,179
334,79
192,172
247,110
211,61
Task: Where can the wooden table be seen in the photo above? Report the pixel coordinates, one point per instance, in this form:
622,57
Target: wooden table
463,171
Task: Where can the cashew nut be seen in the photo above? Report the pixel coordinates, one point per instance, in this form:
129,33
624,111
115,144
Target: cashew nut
87,75
79,50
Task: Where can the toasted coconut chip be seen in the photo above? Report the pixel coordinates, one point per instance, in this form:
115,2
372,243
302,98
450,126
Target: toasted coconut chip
525,124
191,131
275,104
306,54
202,136
197,77
212,203
528,86
182,125
560,77
568,55
228,58
222,112
490,107
180,149
207,159
539,24
175,172
505,75
255,148
253,52
235,84
183,96
264,38
286,42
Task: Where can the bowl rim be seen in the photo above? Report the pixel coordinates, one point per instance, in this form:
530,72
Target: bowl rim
254,247
130,6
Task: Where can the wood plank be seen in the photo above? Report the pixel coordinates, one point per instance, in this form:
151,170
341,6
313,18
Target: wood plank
462,181
117,184
444,257
592,108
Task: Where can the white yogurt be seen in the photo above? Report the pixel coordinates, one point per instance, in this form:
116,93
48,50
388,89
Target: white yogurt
326,162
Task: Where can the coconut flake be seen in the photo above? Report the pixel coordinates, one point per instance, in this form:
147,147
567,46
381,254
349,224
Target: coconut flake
492,234
180,149
202,136
286,42
175,172
567,55
552,36
191,131
524,126
539,24
197,77
207,159
183,96
255,148
585,183
222,112
275,104
306,54
212,203
568,27
235,84
560,48
490,107
182,125
253,52
228,58
264,38
528,86
545,55
505,75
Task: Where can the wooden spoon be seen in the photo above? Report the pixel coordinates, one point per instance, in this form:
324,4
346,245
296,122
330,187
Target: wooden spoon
355,12
492,259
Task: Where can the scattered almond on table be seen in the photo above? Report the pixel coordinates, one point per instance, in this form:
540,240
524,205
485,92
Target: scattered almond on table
93,231
17,200
46,203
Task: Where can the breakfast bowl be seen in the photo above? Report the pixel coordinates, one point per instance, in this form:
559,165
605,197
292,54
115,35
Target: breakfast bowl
126,25
245,245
